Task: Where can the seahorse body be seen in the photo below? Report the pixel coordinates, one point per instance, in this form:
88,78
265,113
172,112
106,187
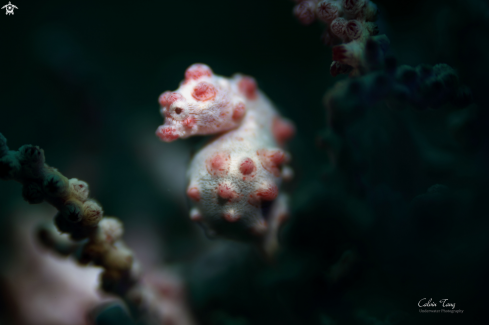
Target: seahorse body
234,180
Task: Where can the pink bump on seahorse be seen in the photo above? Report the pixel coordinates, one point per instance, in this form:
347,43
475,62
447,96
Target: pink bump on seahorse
234,180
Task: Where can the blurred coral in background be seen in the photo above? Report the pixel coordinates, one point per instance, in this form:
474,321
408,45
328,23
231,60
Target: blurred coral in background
41,287
389,197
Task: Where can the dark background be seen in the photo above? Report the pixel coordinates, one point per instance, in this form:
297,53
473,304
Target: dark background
81,79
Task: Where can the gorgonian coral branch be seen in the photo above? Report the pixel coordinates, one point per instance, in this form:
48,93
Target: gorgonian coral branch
99,238
349,24
422,87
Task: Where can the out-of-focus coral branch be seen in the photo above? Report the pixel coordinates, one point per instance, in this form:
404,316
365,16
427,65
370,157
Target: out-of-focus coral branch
422,87
97,239
349,25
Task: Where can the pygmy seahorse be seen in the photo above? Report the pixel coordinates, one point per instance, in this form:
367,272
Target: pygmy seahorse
234,179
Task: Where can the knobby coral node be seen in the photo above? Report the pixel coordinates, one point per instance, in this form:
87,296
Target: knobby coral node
81,218
349,26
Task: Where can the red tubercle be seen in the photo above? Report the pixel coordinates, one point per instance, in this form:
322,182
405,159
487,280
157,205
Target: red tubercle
168,98
196,71
174,97
247,85
225,192
247,167
193,193
204,91
189,122
268,192
271,160
277,157
163,99
218,164
239,111
282,130
167,133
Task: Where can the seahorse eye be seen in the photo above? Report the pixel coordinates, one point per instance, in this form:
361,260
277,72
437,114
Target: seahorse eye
179,113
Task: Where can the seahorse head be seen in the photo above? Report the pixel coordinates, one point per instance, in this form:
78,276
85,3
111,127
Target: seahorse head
203,104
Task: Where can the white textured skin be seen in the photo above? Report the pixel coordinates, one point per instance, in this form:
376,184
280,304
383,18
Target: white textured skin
253,134
210,116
